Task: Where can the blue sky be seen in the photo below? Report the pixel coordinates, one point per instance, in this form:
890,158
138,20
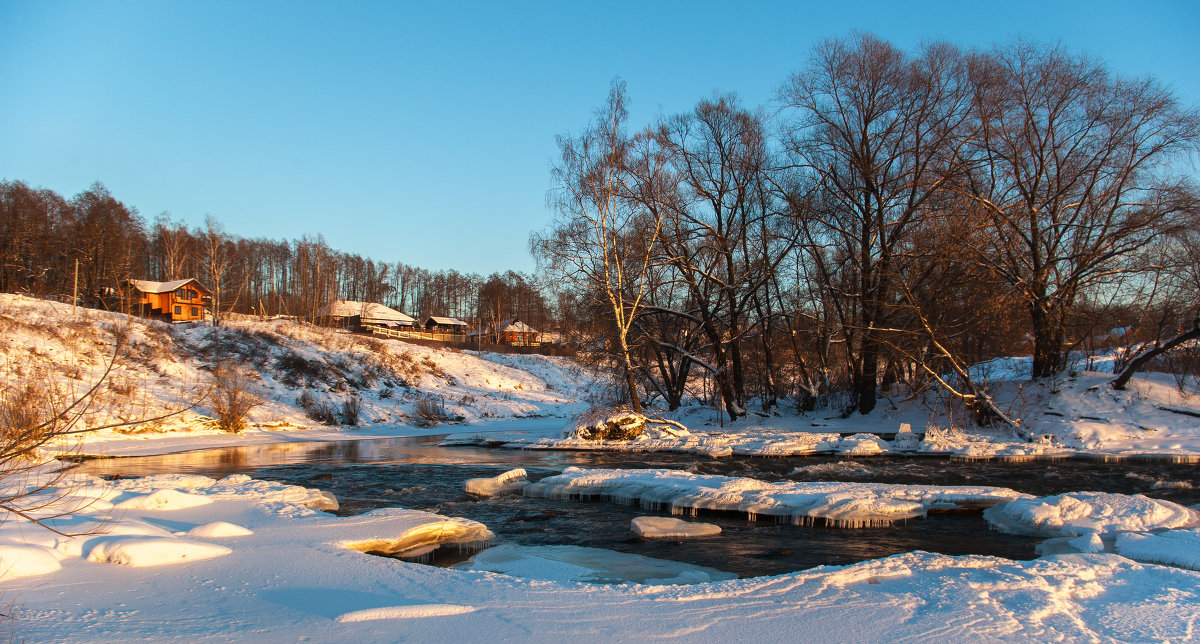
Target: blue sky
423,132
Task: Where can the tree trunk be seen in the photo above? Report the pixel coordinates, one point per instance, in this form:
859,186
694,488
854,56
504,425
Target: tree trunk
1138,362
1048,339
864,387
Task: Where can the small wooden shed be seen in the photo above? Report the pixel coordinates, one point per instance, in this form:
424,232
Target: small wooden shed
177,301
453,326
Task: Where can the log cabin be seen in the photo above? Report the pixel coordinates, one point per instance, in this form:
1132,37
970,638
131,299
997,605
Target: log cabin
184,300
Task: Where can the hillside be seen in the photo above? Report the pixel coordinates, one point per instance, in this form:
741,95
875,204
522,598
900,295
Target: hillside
307,377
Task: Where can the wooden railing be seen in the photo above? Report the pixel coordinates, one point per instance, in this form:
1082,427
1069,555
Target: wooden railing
413,334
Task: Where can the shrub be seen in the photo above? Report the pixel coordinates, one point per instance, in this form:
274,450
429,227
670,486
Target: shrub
233,398
351,408
321,412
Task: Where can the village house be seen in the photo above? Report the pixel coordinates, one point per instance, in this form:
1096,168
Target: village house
353,315
513,332
177,301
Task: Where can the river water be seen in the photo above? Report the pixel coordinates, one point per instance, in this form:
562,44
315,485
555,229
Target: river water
417,473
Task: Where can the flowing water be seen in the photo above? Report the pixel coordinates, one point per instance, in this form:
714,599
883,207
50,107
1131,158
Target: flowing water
417,473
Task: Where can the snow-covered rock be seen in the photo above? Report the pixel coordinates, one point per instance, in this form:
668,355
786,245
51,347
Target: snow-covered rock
1079,513
620,424
510,481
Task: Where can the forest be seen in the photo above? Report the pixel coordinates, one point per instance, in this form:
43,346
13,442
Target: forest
43,235
892,218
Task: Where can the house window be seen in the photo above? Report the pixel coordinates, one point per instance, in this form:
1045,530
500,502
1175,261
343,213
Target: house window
179,310
195,312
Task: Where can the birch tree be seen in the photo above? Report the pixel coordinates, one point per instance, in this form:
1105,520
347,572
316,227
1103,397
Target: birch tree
601,241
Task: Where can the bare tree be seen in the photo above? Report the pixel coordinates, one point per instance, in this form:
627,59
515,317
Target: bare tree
1075,170
882,131
724,233
601,240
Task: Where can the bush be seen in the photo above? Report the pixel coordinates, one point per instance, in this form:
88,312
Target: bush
233,398
351,408
321,412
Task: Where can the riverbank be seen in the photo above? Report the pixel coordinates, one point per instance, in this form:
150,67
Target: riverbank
189,558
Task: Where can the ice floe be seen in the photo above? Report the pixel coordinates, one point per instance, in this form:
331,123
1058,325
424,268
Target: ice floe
510,481
668,527
840,504
590,565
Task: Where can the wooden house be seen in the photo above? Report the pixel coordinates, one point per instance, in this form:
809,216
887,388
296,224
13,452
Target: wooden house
353,315
176,301
512,332
450,326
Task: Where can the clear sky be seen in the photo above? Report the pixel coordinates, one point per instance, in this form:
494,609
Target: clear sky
423,132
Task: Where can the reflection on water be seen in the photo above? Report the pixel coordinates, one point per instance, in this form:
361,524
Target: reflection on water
416,473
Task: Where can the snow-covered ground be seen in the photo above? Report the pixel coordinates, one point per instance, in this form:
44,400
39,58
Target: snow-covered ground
187,558
1078,414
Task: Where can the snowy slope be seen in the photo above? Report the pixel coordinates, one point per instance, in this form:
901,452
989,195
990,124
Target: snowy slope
162,368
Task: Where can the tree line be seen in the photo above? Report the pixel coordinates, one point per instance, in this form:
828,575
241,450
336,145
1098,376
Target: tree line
44,237
896,217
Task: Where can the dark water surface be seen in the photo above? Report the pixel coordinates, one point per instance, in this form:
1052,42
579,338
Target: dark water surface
416,473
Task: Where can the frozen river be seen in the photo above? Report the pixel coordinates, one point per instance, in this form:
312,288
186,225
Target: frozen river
417,473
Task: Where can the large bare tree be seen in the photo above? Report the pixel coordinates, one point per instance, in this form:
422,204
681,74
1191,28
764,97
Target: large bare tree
1076,170
881,130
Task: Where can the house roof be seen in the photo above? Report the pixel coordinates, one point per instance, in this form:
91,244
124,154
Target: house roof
146,286
367,310
516,326
507,326
445,321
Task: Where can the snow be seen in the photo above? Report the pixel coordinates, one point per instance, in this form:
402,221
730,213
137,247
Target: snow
150,551
510,481
403,612
164,368
298,577
588,565
1173,547
163,500
669,528
218,530
850,505
21,560
1079,513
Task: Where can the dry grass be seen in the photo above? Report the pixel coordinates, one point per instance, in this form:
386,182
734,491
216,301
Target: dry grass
429,412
